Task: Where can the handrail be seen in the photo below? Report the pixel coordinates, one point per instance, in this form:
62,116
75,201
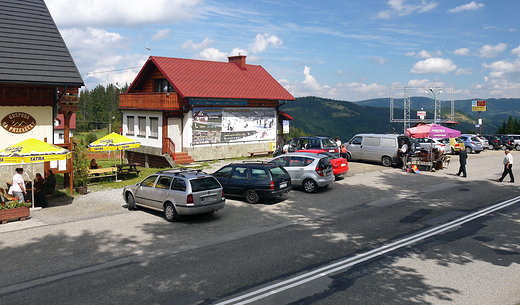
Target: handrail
169,147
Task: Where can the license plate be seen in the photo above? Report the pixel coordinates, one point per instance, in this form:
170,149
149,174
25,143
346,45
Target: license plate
208,199
343,164
329,173
283,184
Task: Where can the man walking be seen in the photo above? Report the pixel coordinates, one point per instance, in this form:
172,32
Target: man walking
463,157
508,167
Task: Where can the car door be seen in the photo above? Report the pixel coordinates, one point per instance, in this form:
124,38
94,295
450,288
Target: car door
296,168
223,176
178,191
142,193
239,180
159,192
354,147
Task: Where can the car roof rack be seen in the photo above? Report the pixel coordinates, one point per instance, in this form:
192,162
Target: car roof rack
260,162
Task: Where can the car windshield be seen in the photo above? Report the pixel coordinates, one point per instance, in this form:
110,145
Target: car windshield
328,142
278,172
203,184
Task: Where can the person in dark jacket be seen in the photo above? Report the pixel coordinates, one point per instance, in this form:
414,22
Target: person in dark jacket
463,157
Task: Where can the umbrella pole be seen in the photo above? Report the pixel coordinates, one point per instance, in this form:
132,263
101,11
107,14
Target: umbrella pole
32,185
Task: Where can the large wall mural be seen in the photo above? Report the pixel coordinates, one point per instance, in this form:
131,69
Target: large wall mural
223,125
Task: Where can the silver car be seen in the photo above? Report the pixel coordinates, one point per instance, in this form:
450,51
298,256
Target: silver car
176,193
308,170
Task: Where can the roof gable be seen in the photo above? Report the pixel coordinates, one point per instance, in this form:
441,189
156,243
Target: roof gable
33,51
210,79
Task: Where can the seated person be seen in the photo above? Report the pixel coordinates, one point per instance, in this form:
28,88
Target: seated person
93,164
49,185
38,182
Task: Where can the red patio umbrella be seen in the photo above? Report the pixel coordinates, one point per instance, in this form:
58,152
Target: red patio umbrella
432,131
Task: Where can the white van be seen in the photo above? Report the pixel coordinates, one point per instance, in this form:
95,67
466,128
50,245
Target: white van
382,148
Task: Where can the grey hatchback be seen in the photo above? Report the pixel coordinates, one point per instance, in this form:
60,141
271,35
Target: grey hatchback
176,193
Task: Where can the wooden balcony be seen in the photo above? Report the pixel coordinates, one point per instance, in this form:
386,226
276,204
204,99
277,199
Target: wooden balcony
152,101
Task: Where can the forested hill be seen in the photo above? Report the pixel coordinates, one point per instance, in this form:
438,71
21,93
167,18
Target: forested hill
320,116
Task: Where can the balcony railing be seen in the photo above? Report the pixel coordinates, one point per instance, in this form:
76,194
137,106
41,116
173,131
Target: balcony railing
152,101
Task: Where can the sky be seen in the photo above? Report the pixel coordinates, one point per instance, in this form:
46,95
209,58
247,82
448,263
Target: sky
343,50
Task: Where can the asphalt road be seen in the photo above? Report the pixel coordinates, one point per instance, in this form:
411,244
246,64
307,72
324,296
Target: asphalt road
100,253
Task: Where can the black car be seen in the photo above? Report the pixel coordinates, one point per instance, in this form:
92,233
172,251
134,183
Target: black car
508,142
494,141
314,142
254,180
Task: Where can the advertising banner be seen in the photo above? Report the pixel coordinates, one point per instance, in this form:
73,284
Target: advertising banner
224,125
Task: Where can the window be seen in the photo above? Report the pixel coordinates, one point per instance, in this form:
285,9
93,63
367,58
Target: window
164,182
239,173
149,181
154,128
61,136
259,174
204,184
163,85
131,127
372,141
224,172
356,141
142,126
386,142
179,185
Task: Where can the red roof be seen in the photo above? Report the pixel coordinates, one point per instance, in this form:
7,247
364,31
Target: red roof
210,79
61,125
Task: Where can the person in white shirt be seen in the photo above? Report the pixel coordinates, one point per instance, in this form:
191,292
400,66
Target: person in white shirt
338,142
508,167
19,185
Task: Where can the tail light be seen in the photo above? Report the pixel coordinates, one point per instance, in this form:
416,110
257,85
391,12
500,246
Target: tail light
272,185
189,199
319,171
223,194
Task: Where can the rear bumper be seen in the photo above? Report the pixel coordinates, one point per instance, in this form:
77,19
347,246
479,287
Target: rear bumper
271,194
325,181
192,210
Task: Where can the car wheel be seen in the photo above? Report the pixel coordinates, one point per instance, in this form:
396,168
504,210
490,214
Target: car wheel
517,146
349,157
130,201
170,213
387,161
468,150
310,186
251,196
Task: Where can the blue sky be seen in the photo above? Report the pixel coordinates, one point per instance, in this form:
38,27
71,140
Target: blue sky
345,50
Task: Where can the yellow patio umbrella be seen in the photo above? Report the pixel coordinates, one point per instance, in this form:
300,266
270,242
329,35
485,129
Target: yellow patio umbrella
33,151
113,142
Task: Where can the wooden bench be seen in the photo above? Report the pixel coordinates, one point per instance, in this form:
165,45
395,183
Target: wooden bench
102,172
130,168
263,153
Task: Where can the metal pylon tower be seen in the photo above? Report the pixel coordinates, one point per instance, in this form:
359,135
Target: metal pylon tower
407,91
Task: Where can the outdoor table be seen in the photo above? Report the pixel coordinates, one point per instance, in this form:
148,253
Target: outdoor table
128,168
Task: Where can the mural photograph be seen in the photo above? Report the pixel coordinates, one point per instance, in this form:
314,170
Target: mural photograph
221,125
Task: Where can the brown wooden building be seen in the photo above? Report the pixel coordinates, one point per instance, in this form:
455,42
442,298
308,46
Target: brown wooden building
38,76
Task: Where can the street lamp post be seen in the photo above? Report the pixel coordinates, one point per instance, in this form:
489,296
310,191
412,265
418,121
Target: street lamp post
434,95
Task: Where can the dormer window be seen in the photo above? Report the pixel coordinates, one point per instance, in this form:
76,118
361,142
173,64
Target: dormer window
163,85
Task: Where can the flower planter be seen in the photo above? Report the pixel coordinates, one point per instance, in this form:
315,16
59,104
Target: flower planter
14,214
82,190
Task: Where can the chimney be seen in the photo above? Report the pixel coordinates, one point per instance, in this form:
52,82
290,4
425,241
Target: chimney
240,60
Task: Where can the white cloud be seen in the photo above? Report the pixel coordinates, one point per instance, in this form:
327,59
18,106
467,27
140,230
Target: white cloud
378,60
516,51
424,54
99,13
461,51
399,8
503,69
196,47
216,55
162,34
489,51
472,6
433,66
466,71
262,41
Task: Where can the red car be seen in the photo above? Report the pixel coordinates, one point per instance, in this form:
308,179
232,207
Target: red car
339,165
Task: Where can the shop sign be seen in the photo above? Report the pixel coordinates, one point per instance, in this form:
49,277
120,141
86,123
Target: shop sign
18,122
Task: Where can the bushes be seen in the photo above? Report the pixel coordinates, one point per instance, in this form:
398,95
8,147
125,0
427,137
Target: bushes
81,165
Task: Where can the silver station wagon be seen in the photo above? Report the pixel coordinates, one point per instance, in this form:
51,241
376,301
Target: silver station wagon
176,193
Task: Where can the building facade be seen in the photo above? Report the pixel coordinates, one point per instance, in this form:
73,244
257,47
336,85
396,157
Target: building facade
183,110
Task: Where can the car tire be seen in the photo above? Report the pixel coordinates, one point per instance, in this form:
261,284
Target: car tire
130,201
310,186
468,149
251,196
349,157
517,146
170,213
386,161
